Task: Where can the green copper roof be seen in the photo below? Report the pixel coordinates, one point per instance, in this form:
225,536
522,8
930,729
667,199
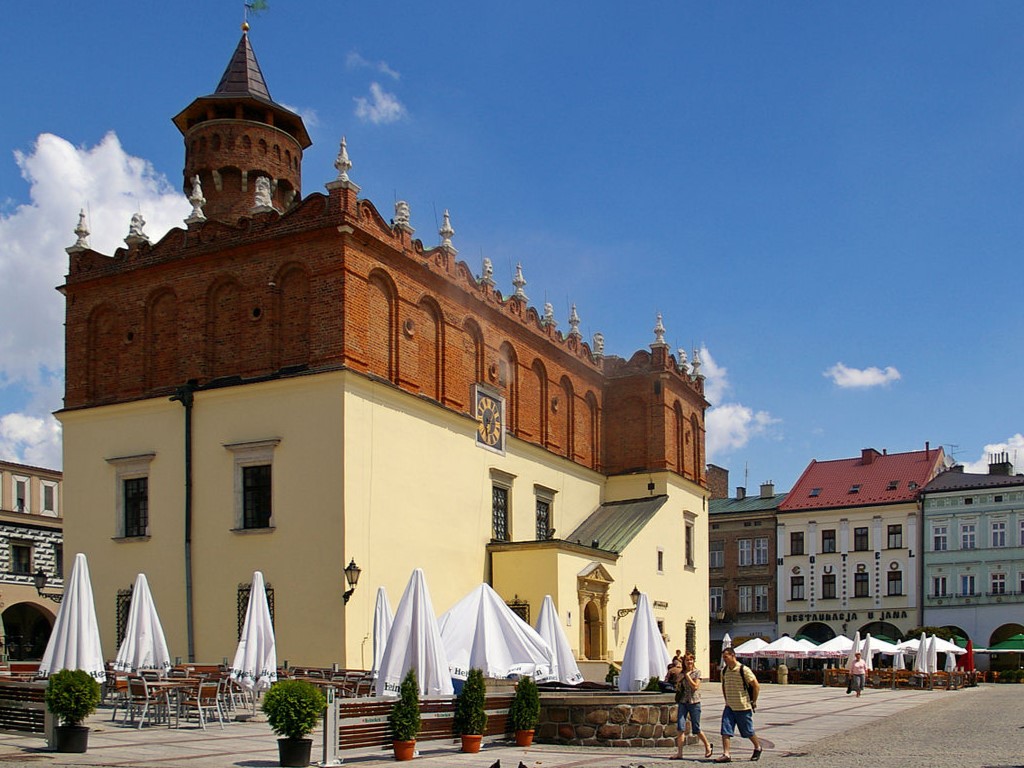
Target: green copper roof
613,525
749,504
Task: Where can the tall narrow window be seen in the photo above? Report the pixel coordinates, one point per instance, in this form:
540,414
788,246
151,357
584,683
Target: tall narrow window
746,552
968,538
828,540
691,636
254,484
716,600
828,586
796,543
21,559
661,560
499,513
689,545
895,537
860,585
895,583
746,599
967,584
940,538
998,583
716,554
256,496
136,507
21,485
939,586
761,551
543,519
999,534
860,539
49,489
761,598
796,588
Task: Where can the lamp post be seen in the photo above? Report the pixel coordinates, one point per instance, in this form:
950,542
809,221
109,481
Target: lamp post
39,579
634,596
352,572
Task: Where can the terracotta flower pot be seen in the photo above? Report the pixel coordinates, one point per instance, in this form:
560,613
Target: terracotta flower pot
471,742
524,738
404,749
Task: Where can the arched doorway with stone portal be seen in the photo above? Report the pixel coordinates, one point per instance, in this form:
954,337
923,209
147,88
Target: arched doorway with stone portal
592,592
26,631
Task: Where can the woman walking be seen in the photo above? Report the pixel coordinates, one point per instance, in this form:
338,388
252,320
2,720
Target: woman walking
688,699
858,671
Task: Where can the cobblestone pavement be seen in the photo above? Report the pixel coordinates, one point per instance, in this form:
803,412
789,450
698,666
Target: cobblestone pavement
800,726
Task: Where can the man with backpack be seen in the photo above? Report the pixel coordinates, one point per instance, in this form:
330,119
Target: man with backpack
740,690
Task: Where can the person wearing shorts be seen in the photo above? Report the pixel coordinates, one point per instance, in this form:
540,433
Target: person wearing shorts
688,700
739,705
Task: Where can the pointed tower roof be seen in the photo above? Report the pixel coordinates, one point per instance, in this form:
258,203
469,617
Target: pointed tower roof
243,94
243,77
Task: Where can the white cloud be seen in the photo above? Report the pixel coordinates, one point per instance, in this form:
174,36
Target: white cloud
1014,446
729,425
354,60
111,185
380,108
848,378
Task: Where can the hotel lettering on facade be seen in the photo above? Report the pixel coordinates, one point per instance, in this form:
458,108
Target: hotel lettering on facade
290,383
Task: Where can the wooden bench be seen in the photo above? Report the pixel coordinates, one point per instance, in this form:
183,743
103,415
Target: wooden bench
23,707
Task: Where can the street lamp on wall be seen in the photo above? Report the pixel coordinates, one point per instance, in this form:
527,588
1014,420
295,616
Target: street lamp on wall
634,596
39,579
352,572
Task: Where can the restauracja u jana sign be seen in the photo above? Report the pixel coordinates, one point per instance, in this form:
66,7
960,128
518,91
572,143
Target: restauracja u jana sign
847,616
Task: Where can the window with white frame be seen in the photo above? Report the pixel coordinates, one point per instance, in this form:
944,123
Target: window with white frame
131,494
968,538
796,587
940,538
688,544
21,496
746,595
716,599
828,540
966,584
716,554
999,533
894,581
49,500
254,483
761,551
761,598
895,536
998,584
746,556
939,586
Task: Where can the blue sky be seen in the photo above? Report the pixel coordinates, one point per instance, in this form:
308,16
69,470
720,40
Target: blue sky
826,199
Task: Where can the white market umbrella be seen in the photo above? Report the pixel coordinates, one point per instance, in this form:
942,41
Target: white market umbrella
867,652
883,646
921,660
726,641
898,661
838,646
415,643
482,632
646,654
75,640
950,661
383,618
144,645
751,647
944,646
854,648
783,647
933,655
563,663
255,664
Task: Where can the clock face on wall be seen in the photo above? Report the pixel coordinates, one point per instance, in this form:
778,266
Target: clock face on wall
490,419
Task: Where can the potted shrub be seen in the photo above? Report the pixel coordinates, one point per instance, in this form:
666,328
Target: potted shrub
293,708
525,711
405,718
471,711
72,695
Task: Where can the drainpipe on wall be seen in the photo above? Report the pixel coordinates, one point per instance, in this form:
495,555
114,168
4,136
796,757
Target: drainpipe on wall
185,396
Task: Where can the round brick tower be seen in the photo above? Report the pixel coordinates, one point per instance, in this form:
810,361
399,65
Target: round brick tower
238,134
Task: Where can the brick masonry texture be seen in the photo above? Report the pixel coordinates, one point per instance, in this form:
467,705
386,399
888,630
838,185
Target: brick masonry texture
330,285
608,724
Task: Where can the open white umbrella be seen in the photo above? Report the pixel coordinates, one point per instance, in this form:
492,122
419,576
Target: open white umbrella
482,632
144,645
646,654
563,663
415,643
383,618
255,664
784,647
75,640
751,647
837,647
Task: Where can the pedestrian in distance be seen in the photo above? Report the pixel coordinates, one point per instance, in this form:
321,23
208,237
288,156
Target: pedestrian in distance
688,701
858,672
740,690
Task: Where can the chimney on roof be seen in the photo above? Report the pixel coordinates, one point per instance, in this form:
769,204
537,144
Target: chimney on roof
868,455
718,482
1000,464
927,448
767,490
741,493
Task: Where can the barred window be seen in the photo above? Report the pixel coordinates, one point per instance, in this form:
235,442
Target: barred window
543,519
499,513
244,590
136,506
256,496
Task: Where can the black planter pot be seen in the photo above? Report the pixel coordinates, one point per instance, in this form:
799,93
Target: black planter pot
71,738
294,753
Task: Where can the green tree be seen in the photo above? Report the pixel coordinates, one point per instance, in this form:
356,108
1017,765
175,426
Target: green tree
471,706
405,715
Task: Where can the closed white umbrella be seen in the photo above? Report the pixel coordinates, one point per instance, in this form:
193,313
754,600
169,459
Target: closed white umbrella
383,618
898,662
564,667
75,640
646,654
921,659
144,645
482,632
415,643
950,661
726,641
867,652
255,664
933,655
854,648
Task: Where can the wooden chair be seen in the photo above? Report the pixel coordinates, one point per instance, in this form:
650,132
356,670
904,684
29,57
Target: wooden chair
142,702
203,699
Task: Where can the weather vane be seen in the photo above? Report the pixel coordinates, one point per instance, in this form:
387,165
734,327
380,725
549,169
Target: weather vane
254,7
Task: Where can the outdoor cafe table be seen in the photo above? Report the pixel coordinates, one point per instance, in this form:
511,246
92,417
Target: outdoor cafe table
170,687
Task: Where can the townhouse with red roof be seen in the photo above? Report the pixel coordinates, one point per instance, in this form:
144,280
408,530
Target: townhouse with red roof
848,545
